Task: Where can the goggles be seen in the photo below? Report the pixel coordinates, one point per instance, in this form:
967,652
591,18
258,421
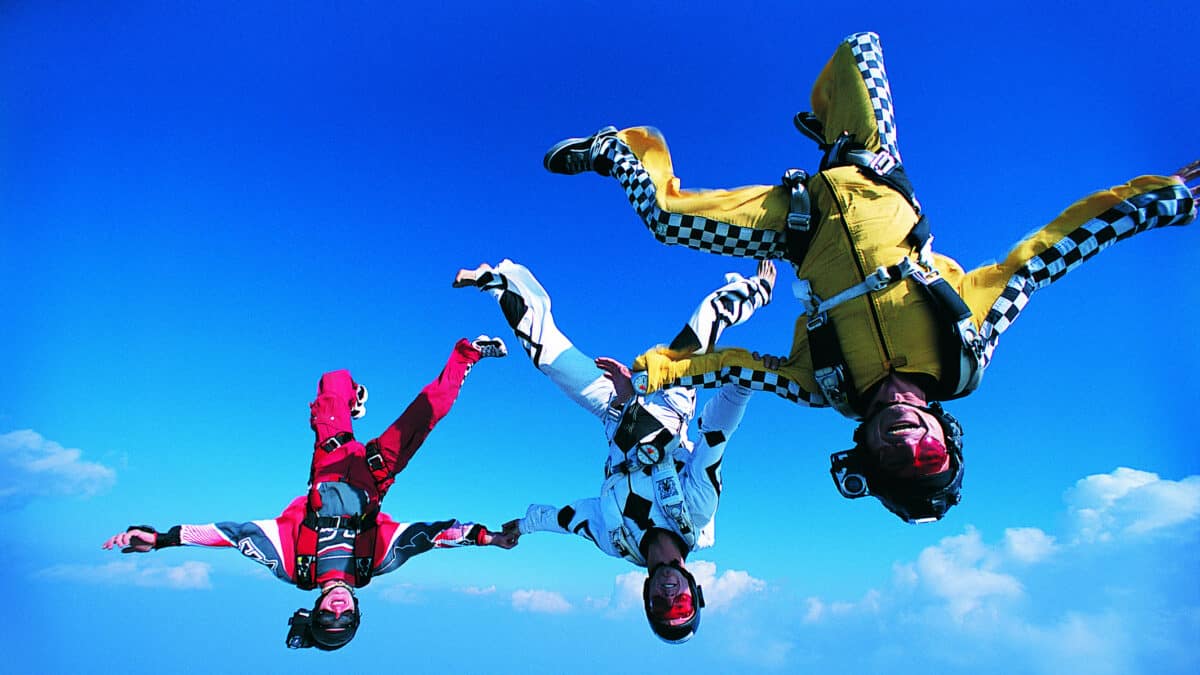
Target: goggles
927,493
681,608
922,457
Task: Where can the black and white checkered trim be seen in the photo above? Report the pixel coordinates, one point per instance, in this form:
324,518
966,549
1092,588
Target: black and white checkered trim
869,57
1157,208
758,380
696,232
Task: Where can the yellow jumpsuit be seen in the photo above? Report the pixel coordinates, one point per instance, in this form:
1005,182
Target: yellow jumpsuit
861,225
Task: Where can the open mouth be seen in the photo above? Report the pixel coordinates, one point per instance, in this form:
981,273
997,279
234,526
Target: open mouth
902,428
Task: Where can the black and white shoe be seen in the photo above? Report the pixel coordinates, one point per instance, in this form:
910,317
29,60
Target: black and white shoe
489,347
576,155
359,408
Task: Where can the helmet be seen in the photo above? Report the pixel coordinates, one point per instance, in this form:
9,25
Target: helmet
920,499
673,624
321,628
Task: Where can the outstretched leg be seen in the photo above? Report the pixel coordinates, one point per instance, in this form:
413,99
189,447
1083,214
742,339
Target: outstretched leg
1000,292
526,307
746,222
400,441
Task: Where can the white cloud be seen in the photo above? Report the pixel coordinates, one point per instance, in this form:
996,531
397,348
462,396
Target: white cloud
405,594
476,590
545,602
1130,502
627,590
1028,544
719,590
186,576
32,465
961,570
818,610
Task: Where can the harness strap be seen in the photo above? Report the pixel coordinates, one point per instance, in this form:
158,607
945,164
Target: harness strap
357,522
362,524
305,573
878,280
336,441
668,494
829,366
961,353
801,217
618,534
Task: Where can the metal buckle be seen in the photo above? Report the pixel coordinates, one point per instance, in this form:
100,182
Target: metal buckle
375,462
879,279
818,321
882,163
799,221
830,381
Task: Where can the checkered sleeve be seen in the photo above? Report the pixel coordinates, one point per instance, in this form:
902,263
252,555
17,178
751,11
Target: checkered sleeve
1076,236
691,230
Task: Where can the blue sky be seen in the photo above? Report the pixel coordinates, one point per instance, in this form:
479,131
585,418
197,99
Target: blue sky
203,206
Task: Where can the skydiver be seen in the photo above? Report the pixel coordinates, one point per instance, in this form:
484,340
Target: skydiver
659,497
888,328
335,538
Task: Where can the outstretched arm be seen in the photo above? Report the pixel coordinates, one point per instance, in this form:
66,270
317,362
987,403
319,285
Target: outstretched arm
138,539
729,305
582,517
409,539
263,541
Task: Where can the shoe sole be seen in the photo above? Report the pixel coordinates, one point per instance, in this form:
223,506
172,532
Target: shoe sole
566,143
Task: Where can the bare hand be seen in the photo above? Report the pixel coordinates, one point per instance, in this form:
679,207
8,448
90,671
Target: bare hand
504,540
133,541
769,361
766,271
617,373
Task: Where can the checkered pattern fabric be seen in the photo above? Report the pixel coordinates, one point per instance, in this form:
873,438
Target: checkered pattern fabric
869,57
758,380
1149,210
696,232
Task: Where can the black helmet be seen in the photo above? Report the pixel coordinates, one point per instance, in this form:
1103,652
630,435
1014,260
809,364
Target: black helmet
675,633
920,499
321,628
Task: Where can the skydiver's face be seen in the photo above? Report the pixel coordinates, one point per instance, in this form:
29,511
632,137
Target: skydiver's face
337,601
670,596
905,441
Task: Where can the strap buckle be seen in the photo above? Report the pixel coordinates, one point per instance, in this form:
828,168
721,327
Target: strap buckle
880,279
817,321
831,381
375,461
336,441
799,215
882,163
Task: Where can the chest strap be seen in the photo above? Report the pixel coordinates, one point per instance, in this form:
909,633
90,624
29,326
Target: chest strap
961,347
668,494
801,218
363,526
336,441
